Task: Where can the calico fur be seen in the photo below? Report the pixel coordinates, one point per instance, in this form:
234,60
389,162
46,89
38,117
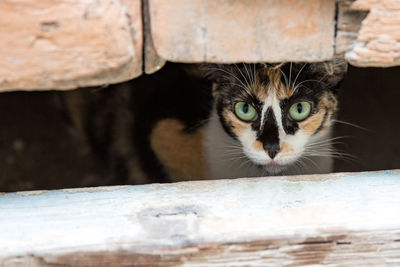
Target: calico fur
273,143
178,124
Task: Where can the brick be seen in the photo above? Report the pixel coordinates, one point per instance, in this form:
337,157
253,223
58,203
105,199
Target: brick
61,44
152,61
348,25
378,41
234,31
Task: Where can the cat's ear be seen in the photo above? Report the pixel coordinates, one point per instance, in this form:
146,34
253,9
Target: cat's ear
330,73
219,73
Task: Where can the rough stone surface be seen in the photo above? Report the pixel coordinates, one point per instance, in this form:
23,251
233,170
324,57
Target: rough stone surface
378,41
365,5
348,24
152,61
65,44
235,31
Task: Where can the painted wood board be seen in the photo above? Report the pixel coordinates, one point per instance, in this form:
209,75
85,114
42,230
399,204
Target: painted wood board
345,219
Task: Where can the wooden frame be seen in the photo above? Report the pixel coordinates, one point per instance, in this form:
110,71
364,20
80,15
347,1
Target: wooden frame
337,220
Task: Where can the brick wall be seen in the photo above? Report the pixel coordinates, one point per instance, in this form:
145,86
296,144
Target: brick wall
64,44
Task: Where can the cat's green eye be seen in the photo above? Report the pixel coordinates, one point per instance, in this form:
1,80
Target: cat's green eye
245,111
300,110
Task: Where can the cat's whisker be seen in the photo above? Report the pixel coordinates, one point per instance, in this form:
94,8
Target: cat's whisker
246,161
336,155
284,77
255,80
290,74
328,140
302,164
233,76
244,77
297,86
312,162
298,74
351,124
248,74
246,90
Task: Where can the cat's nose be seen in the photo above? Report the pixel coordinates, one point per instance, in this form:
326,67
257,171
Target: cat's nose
272,149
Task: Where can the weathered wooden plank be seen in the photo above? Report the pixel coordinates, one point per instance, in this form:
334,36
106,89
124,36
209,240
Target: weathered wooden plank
378,41
350,219
236,31
67,44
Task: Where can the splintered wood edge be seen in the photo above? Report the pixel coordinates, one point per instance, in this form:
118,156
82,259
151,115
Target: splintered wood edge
345,218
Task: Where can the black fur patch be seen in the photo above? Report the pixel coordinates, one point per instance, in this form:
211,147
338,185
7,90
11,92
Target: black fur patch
269,134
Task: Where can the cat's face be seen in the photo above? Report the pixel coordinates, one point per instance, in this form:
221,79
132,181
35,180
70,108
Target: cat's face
275,111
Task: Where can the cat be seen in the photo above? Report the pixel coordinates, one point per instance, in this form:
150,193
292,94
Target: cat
212,121
272,119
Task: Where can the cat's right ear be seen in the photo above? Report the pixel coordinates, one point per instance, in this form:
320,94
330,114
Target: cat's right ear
218,73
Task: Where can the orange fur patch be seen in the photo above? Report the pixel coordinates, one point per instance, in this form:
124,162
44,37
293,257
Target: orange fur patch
238,126
313,123
281,91
181,153
257,145
328,102
260,91
286,148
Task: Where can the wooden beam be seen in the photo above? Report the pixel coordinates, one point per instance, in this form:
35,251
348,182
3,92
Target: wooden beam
336,219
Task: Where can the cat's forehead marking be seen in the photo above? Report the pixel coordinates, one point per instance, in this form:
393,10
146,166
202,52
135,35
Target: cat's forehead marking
275,83
259,91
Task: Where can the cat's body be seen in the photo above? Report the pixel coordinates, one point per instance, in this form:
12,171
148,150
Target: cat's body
178,126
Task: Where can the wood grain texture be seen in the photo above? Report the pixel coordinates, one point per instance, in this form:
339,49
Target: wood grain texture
68,44
348,219
236,31
378,41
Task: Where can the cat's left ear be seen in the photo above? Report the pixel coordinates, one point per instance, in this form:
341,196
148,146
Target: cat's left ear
331,73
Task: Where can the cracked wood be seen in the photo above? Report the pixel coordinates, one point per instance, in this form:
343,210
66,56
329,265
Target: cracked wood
336,220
